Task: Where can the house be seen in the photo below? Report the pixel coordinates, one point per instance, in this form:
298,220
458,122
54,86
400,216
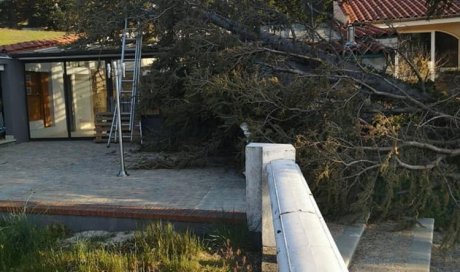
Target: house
51,91
438,35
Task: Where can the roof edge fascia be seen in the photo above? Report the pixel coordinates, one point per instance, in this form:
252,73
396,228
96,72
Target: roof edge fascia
425,22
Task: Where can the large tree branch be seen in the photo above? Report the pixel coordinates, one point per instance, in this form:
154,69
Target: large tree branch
390,85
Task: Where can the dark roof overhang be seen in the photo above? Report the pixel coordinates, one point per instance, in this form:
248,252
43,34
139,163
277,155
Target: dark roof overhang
81,54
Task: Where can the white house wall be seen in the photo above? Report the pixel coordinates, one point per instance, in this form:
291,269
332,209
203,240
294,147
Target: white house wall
389,42
448,28
323,32
338,13
378,62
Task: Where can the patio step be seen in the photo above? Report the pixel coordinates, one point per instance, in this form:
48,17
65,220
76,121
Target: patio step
347,238
104,123
108,217
383,249
9,140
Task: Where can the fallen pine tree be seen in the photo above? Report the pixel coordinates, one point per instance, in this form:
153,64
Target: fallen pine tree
367,143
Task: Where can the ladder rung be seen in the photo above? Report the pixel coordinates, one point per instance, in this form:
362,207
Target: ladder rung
132,46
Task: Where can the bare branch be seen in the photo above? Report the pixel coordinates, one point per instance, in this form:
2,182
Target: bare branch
450,152
421,167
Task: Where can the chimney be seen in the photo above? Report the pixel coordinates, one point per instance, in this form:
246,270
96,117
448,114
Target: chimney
351,35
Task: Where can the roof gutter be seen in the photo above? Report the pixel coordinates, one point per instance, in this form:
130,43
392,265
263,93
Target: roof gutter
399,24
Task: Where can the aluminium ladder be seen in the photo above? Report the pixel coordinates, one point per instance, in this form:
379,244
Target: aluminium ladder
127,73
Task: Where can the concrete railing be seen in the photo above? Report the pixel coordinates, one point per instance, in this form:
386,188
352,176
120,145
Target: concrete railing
281,206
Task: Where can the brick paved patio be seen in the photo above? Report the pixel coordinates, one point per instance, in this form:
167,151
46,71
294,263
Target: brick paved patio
79,178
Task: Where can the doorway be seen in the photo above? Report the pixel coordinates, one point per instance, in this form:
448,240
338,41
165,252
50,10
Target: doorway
446,50
64,97
46,100
87,95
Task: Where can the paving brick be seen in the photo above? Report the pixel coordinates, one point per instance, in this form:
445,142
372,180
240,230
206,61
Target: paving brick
79,178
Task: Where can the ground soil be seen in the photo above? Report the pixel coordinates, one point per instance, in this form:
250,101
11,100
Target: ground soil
382,249
444,259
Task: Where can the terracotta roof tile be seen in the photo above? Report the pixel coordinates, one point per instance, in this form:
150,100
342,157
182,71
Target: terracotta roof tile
39,44
360,11
366,30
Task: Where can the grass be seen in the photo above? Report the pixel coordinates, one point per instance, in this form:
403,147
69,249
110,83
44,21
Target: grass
18,239
157,247
12,36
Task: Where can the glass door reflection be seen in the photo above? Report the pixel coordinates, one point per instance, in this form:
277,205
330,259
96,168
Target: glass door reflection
46,100
87,95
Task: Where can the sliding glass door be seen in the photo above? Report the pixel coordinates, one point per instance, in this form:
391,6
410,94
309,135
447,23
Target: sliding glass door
64,97
87,95
46,100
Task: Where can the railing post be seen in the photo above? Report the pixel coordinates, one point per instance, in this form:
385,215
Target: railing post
258,208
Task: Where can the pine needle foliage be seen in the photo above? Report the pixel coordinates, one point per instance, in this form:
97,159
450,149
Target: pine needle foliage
367,143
